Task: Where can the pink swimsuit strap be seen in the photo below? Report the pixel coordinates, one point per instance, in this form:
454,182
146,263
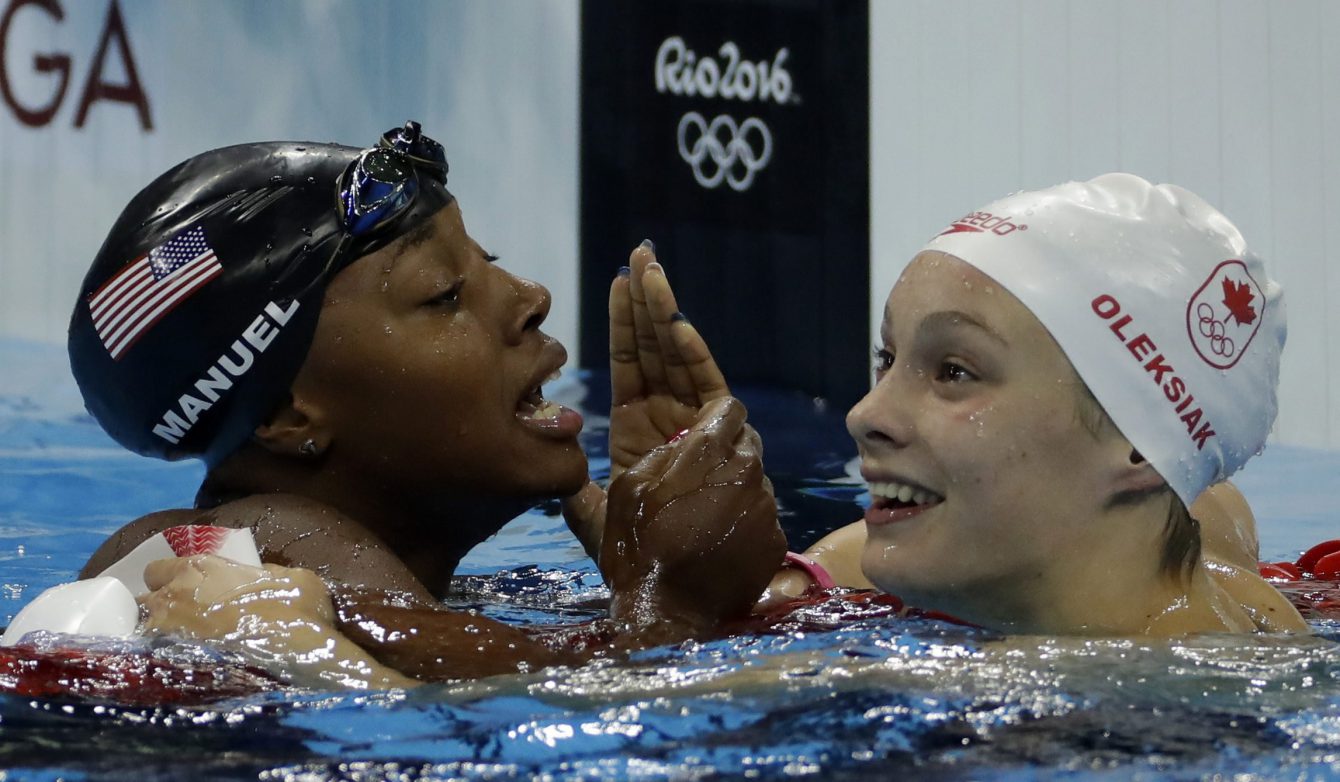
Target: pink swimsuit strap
811,568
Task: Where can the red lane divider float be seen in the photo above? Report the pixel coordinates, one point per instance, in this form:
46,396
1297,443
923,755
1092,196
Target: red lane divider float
127,678
1312,583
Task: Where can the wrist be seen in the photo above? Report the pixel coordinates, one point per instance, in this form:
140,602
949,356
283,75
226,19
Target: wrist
645,607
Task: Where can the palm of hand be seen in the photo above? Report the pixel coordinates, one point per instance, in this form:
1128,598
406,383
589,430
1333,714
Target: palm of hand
639,425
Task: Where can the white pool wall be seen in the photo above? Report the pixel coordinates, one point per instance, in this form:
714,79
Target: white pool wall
1236,100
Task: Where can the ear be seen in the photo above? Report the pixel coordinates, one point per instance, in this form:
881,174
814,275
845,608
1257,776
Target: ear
297,428
1133,475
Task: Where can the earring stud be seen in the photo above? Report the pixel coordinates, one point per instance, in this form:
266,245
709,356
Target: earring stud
308,447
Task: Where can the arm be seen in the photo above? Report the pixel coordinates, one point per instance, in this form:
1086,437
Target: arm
286,621
279,618
691,541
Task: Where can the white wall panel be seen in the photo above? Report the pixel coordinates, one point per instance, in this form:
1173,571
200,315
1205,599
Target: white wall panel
1328,21
1297,216
1142,85
1238,100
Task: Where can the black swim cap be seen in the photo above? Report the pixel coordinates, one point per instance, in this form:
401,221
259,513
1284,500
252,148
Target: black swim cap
201,305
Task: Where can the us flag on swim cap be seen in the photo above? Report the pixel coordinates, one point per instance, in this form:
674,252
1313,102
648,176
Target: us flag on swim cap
128,305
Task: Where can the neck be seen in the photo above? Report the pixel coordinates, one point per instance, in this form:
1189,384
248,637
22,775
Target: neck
1109,583
430,534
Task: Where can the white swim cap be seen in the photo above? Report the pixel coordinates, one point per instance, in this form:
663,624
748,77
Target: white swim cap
1159,305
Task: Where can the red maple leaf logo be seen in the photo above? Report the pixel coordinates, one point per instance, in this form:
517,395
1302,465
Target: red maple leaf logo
1238,298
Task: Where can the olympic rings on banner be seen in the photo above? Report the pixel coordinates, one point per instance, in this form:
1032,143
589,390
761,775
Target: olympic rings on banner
729,146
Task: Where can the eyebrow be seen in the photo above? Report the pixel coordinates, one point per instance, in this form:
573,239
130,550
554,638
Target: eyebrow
418,235
947,319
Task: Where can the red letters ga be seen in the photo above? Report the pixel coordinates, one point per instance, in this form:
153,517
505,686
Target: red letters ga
95,88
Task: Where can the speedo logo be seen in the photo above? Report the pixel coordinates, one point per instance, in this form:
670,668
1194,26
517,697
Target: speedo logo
233,364
980,222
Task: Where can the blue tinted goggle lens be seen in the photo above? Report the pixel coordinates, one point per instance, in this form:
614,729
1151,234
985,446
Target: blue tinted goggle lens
383,181
379,187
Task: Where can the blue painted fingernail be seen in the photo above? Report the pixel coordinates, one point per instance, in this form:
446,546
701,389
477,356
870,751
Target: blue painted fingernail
678,316
649,244
624,271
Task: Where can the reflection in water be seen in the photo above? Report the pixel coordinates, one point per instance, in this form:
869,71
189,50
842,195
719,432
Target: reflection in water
828,691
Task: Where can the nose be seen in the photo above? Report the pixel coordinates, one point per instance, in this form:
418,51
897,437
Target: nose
881,418
533,301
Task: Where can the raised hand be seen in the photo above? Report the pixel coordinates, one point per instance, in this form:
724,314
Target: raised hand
661,370
692,532
661,375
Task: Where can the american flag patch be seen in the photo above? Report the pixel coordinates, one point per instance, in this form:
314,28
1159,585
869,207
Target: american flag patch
149,287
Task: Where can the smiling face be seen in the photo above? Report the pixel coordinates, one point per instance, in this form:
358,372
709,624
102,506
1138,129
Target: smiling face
982,474
424,373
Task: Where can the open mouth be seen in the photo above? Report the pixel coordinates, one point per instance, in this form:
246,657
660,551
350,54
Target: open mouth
541,416
534,407
546,418
892,495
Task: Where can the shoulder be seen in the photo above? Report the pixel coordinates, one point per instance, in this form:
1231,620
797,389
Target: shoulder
839,552
289,530
1227,526
1269,611
124,540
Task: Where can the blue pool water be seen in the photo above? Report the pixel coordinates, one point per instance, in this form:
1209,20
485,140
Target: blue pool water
863,698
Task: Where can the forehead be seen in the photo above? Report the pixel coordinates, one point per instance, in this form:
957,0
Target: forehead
438,241
936,282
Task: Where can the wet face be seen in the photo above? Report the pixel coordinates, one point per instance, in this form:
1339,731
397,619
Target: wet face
981,472
426,369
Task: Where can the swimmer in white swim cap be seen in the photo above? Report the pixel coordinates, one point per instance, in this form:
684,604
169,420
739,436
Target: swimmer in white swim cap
1061,374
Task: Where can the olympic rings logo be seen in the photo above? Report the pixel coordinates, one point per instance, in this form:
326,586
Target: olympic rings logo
722,150
1213,328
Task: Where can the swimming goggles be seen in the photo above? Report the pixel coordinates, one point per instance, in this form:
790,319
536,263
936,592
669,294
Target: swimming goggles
377,189
380,185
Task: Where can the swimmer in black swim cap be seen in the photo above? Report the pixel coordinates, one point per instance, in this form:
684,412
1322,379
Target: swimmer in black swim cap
201,304
363,382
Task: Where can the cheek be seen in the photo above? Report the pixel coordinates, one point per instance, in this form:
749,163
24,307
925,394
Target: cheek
974,443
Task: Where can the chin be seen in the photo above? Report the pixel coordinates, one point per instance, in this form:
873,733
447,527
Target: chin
559,476
920,581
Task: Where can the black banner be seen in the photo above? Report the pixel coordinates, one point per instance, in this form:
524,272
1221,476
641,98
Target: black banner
735,136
